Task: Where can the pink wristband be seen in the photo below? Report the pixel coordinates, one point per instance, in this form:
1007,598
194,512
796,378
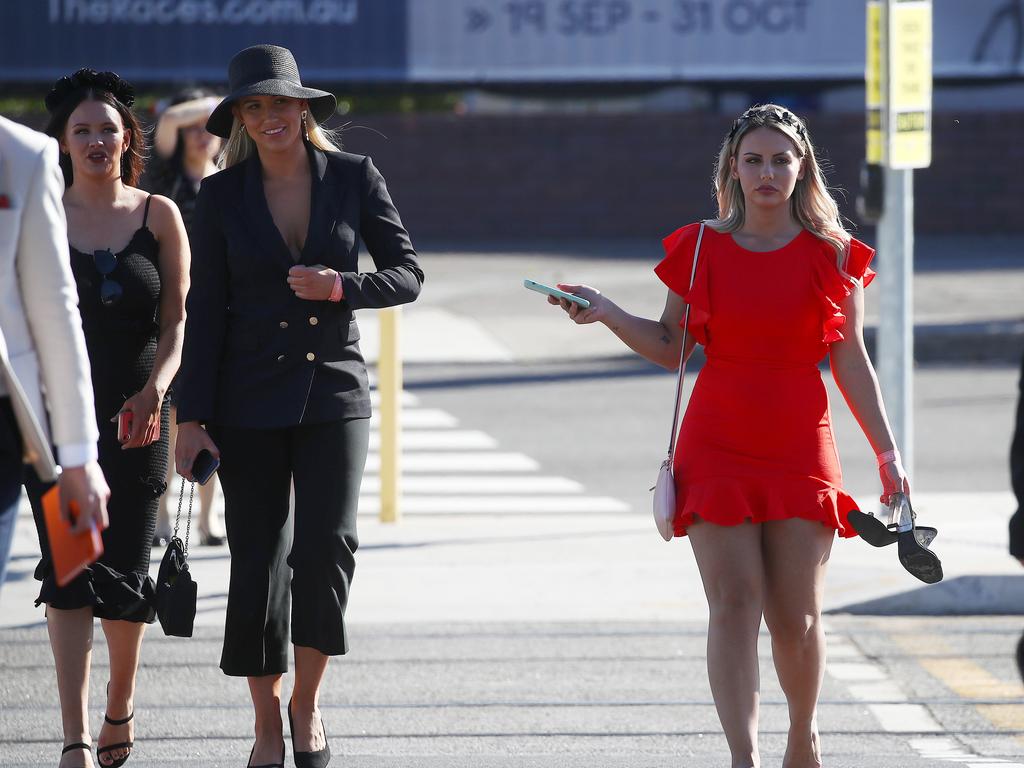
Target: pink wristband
887,457
337,292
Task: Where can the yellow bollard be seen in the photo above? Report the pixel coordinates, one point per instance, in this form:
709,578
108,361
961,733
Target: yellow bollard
389,385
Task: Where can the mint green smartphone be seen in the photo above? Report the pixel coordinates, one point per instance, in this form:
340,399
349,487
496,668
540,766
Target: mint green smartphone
547,289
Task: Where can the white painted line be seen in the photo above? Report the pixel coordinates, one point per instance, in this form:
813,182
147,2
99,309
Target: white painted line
842,651
408,399
439,439
469,484
460,462
431,334
499,504
905,718
421,418
855,671
938,747
882,692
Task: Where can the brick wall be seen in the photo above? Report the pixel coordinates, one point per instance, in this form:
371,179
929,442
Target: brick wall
633,175
637,175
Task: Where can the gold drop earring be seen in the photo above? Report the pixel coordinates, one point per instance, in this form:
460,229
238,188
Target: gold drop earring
305,131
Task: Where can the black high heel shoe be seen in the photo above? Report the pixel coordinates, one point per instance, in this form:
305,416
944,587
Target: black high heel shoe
268,765
76,745
318,759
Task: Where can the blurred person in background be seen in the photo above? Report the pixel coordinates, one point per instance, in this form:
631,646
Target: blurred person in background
45,387
1017,481
273,381
185,154
129,258
779,284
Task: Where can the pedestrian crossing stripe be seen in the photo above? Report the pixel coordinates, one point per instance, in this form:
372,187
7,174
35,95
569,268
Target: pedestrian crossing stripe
448,439
447,470
458,461
520,505
869,682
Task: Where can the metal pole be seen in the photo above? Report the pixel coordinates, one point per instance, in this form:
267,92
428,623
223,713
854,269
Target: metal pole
389,386
896,315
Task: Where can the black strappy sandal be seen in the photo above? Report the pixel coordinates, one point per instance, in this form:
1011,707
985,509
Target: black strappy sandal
913,541
76,745
127,745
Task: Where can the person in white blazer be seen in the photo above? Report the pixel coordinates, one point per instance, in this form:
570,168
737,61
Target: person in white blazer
45,388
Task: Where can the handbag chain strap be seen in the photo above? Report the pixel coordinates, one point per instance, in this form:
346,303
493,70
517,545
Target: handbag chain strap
188,521
682,353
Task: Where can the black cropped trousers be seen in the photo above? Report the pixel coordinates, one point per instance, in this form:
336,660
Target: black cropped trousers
303,561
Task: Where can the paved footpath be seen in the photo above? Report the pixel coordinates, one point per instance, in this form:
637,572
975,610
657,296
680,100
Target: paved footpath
898,695
571,639
519,618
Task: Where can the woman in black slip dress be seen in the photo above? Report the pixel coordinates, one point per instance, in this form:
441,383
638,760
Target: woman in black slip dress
129,256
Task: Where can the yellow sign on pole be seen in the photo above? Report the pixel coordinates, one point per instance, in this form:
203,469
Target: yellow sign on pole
909,87
874,80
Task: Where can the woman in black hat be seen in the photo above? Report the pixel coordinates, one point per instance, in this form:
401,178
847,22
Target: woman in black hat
273,382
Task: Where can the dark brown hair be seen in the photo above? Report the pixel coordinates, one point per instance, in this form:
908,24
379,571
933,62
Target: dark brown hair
61,105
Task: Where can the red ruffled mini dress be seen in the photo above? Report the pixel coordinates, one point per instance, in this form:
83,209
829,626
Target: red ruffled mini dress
756,441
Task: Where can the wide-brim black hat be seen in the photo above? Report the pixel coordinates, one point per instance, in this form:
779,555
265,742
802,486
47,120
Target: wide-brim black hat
266,70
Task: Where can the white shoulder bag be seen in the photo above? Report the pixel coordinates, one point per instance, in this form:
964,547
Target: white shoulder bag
665,488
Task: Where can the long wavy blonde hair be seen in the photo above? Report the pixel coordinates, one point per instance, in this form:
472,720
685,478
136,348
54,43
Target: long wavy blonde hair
812,204
239,146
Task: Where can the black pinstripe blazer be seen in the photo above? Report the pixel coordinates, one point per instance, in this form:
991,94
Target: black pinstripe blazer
256,355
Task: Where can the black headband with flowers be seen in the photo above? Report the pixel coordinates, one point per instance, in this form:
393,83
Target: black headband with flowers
783,116
110,82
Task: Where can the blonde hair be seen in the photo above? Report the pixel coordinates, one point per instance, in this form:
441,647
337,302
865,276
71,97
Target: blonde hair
811,204
239,145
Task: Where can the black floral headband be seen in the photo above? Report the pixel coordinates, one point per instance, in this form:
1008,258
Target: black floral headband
775,115
110,82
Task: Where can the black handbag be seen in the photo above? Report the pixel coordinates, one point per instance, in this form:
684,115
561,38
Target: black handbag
175,590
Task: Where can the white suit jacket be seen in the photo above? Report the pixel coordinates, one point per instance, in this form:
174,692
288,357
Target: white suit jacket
44,366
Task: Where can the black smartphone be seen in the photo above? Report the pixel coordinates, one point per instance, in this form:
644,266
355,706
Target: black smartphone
204,466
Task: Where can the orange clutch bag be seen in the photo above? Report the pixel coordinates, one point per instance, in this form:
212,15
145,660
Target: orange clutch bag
71,553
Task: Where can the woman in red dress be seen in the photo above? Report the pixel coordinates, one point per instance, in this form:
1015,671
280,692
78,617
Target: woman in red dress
779,285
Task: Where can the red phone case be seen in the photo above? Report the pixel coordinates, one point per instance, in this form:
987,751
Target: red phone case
124,426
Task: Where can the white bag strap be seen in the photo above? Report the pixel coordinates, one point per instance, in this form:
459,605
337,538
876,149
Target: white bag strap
682,352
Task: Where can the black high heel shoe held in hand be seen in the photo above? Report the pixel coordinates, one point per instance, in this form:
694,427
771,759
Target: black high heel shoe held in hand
318,759
914,555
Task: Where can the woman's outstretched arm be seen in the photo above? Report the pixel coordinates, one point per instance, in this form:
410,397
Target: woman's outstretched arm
855,376
654,340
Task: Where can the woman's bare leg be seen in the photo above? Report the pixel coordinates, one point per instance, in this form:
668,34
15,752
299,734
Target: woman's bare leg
124,646
266,701
796,554
729,559
71,642
209,525
310,666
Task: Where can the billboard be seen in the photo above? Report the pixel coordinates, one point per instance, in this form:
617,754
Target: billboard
690,40
464,42
165,40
